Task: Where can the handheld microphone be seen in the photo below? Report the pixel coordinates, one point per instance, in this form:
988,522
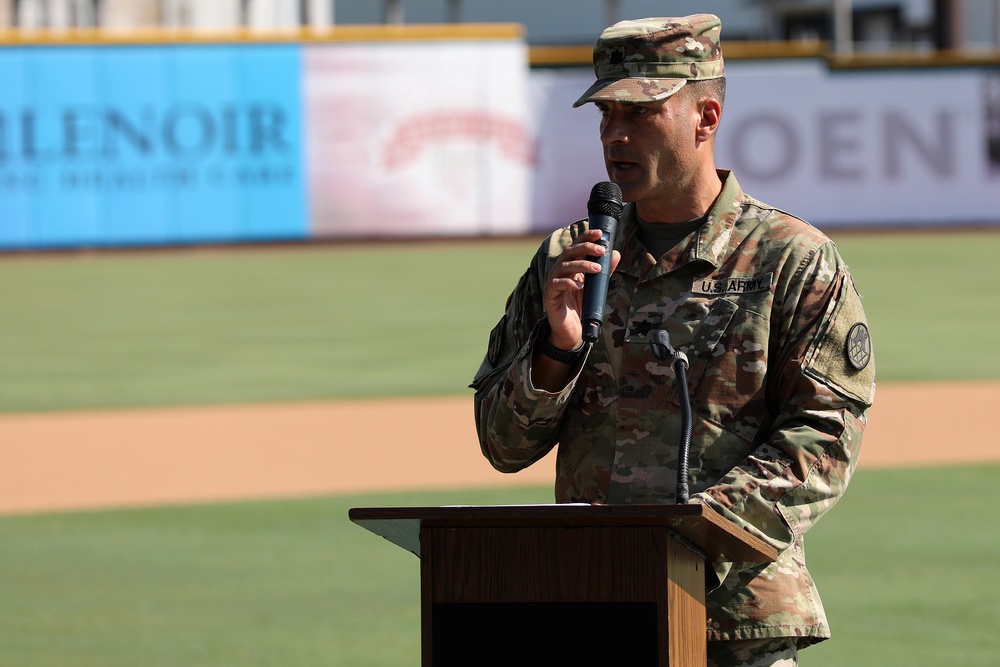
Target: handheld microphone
603,210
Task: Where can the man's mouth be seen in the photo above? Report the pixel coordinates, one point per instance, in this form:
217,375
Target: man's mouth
622,165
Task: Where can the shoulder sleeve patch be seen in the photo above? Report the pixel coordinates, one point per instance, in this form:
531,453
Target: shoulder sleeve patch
859,346
842,355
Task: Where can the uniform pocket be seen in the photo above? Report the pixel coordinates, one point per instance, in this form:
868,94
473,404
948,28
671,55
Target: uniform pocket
729,368
703,353
842,357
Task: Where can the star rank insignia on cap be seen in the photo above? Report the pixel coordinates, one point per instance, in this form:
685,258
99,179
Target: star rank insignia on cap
859,346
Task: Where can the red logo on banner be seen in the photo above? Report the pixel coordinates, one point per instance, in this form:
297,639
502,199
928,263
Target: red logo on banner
414,136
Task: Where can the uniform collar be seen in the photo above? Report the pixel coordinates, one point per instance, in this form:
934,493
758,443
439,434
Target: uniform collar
710,243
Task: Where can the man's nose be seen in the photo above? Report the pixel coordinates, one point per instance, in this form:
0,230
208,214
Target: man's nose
613,131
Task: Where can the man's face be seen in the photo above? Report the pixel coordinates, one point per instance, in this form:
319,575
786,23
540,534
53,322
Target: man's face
650,150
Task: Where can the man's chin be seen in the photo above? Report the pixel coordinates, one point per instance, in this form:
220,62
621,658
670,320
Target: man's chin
625,175
630,192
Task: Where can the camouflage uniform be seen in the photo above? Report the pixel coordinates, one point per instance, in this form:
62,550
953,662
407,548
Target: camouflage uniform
781,379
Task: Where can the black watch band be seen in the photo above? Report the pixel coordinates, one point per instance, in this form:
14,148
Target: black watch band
557,353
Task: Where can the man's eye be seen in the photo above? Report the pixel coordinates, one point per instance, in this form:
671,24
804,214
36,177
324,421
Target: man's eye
639,109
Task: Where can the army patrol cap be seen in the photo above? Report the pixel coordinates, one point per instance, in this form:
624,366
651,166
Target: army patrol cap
647,60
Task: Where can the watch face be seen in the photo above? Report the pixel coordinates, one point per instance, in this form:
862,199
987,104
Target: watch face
859,346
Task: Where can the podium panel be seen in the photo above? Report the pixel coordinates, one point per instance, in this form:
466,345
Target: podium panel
558,633
557,584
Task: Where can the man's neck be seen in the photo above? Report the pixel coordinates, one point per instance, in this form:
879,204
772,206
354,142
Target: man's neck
699,197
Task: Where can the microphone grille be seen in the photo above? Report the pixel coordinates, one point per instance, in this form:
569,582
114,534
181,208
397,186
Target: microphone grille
605,199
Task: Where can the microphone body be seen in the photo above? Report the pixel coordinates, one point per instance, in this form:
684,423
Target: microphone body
603,211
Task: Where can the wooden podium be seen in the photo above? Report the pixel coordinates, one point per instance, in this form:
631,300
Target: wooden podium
567,585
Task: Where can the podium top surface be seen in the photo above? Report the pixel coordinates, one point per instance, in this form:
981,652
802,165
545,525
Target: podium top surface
717,538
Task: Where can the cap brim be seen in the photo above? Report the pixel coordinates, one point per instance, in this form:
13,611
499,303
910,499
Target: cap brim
630,90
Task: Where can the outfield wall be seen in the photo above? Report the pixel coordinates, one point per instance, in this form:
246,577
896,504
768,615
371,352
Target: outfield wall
369,133
859,148
417,132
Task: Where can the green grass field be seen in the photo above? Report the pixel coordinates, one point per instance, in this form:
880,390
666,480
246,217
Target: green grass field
192,327
908,577
907,571
248,325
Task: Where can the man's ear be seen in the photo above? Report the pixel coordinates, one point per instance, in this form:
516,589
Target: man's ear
708,122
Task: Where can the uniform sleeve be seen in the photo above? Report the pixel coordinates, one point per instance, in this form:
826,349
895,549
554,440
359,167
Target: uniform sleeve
820,387
518,424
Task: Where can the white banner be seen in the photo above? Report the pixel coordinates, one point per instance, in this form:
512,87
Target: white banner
418,138
857,148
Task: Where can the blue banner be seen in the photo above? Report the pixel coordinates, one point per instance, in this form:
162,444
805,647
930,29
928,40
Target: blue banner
137,145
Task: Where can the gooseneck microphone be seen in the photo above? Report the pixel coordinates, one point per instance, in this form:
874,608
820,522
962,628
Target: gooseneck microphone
660,342
603,210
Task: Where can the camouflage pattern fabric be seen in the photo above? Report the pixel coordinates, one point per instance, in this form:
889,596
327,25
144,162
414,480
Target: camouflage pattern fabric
781,379
780,652
646,60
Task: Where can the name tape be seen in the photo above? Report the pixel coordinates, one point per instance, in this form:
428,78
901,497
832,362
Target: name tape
733,285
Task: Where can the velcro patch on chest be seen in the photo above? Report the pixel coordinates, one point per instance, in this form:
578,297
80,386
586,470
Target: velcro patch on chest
733,285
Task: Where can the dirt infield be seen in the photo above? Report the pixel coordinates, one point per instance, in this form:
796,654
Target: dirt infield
69,461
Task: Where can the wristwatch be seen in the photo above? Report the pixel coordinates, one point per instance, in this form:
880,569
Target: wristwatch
557,353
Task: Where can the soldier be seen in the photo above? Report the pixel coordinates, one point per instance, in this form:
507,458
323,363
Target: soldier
781,371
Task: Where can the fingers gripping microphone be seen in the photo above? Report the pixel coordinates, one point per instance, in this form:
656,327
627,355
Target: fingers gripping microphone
603,210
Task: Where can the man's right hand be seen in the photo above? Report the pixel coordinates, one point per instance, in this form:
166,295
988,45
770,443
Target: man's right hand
562,298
